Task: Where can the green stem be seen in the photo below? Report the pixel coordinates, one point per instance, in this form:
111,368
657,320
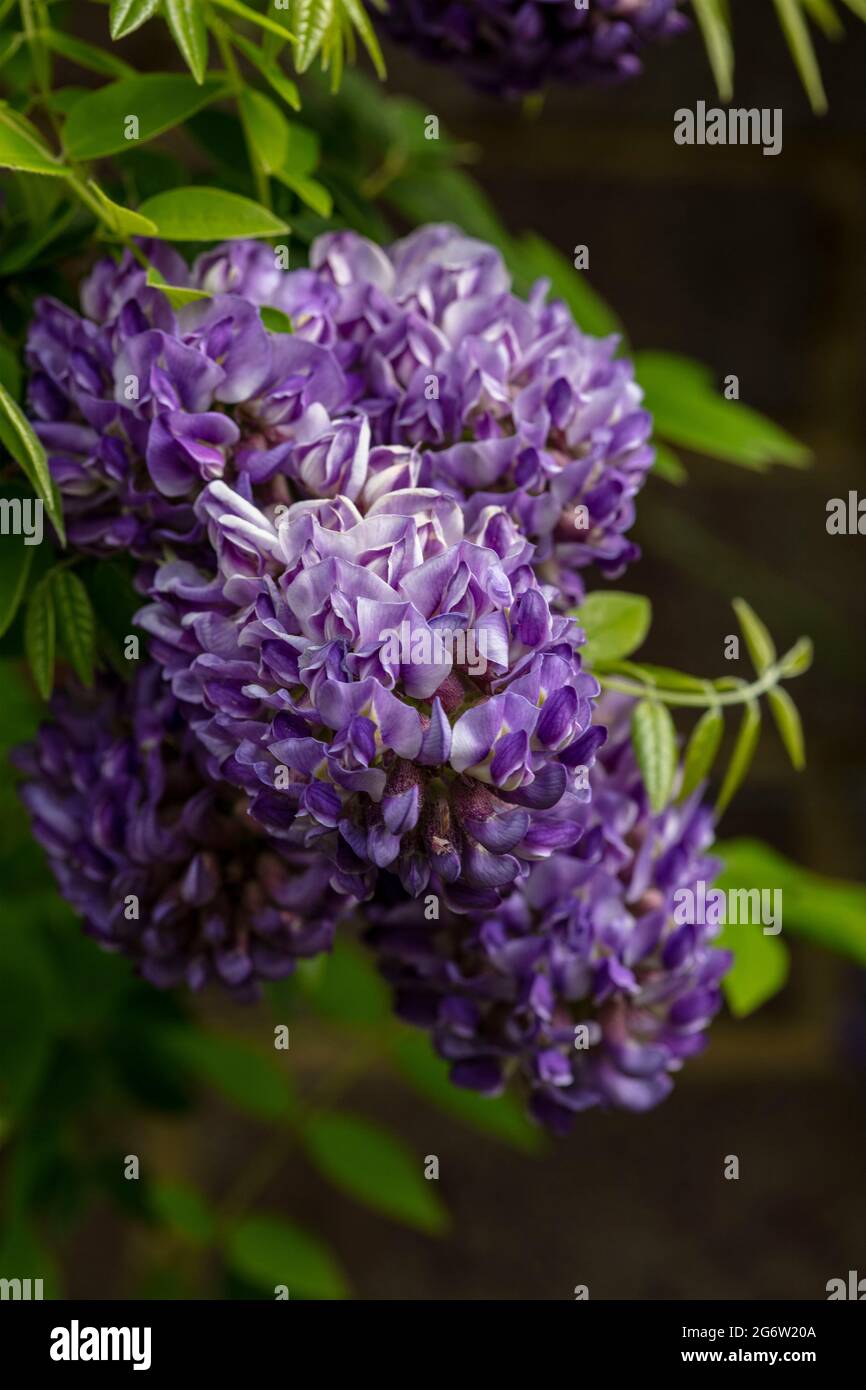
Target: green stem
740,696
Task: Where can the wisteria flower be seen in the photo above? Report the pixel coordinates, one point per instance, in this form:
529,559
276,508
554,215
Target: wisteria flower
414,367
585,987
163,864
388,690
511,47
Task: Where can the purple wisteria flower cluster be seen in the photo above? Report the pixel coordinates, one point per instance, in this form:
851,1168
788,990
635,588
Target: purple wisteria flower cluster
414,367
160,860
362,498
581,984
512,47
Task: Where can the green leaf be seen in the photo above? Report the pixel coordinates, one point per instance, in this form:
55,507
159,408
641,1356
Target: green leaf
268,128
857,7
615,624
270,71
128,15
758,640
789,724
741,758
177,295
303,152
369,1164
122,220
348,987
533,259
244,12
86,55
185,19
826,18
501,1117
15,561
760,968
239,1072
39,637
669,466
799,40
274,320
689,412
716,30
269,1251
361,21
22,147
182,1209
314,194
75,620
797,661
96,125
209,214
701,750
828,912
310,20
16,433
655,744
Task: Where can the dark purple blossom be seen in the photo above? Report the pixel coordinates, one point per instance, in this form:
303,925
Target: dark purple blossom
581,988
392,691
510,47
163,864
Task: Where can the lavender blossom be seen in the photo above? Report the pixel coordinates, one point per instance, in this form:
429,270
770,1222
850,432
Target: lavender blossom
581,989
389,691
511,47
496,400
414,367
163,864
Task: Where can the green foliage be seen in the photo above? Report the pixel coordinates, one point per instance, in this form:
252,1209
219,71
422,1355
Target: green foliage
654,737
97,125
180,1208
828,912
240,1072
701,750
270,1252
186,20
18,437
75,620
689,412
40,628
374,1167
657,687
200,214
22,147
715,21
615,624
760,968
128,15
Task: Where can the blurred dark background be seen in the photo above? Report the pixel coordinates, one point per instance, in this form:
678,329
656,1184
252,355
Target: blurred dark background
756,266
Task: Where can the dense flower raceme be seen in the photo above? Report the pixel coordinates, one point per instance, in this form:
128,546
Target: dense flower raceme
163,864
391,691
510,47
495,400
587,942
